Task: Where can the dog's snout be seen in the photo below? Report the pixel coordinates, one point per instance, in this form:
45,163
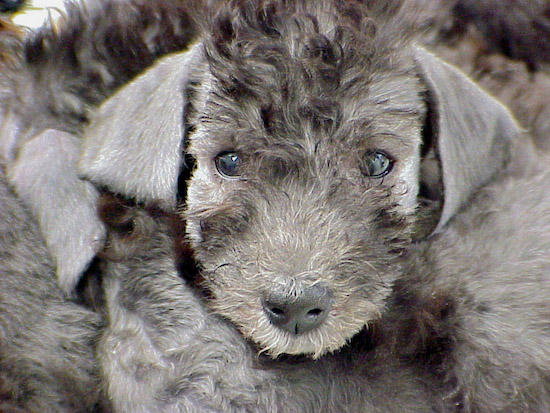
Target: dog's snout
300,312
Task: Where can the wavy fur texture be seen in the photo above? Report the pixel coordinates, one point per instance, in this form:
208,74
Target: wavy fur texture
302,91
189,359
505,48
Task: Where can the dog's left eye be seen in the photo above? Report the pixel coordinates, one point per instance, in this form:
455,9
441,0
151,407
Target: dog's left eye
376,164
228,164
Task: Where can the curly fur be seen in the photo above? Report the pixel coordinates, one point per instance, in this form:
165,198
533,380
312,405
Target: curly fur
289,94
519,29
45,94
189,359
301,91
300,214
504,46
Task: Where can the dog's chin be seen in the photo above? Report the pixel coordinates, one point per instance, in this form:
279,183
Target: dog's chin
275,342
347,318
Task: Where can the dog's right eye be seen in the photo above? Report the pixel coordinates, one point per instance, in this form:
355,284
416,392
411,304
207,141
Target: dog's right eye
228,164
376,164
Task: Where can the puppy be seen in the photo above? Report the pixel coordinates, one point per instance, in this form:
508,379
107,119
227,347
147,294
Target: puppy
164,351
335,161
329,146
47,342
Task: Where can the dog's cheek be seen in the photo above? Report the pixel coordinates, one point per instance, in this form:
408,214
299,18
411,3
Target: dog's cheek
208,197
204,187
407,185
234,293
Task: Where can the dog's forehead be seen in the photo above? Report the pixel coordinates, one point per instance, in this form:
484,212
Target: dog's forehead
349,125
304,77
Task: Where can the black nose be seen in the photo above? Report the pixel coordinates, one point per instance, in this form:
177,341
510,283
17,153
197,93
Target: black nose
298,313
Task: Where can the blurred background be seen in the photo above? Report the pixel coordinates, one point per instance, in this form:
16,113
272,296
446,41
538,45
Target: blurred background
31,13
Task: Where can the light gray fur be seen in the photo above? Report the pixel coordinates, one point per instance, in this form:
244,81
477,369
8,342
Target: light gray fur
51,82
289,226
46,177
165,352
301,214
42,169
47,352
488,272
117,153
455,300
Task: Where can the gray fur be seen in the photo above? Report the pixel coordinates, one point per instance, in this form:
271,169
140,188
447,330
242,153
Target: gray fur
117,154
51,83
299,213
302,91
476,297
503,46
520,29
165,352
46,177
47,352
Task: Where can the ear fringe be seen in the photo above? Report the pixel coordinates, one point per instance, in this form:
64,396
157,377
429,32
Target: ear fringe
473,132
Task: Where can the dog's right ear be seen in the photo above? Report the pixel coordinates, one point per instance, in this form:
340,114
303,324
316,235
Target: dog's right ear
133,145
470,134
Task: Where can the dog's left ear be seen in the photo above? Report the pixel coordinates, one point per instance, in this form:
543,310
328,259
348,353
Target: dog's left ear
470,135
133,145
43,172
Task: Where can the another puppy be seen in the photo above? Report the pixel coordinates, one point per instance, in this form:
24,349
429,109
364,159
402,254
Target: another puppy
47,343
473,300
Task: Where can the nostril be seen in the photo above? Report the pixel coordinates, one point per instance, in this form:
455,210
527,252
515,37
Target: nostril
316,312
298,313
277,311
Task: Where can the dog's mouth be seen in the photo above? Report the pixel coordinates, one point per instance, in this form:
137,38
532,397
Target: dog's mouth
362,343
307,328
309,325
299,318
333,333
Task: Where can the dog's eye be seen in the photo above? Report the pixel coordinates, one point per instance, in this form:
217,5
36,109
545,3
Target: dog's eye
376,164
228,164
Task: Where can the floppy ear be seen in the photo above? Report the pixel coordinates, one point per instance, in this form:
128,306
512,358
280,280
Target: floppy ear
471,133
44,175
133,145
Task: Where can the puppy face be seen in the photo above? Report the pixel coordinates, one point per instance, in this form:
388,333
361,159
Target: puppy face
305,119
306,130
